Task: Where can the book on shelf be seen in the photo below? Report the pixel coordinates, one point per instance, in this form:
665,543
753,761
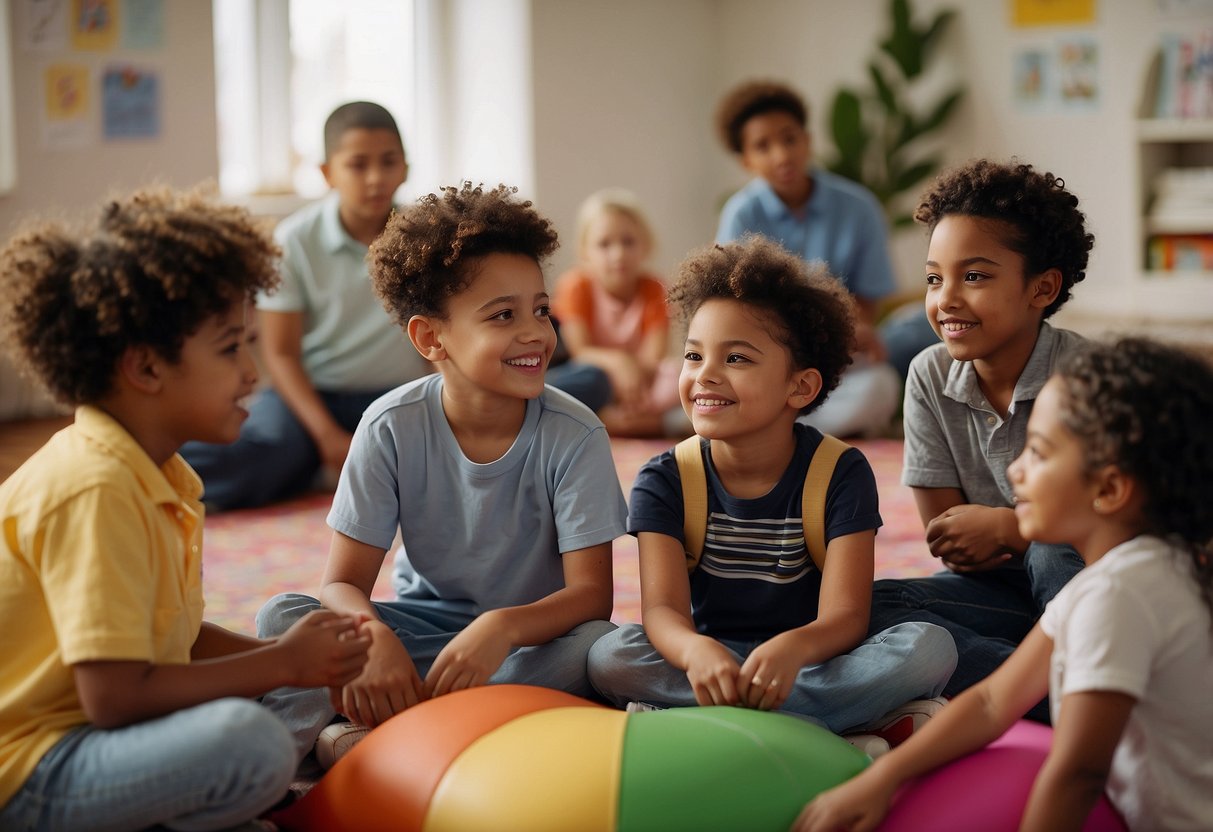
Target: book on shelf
1180,252
1185,78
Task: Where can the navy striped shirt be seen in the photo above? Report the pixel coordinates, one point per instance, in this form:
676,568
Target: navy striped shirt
756,578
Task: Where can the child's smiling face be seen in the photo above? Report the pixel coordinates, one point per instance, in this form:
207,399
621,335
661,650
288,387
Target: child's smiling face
204,392
736,379
497,335
1054,496
978,299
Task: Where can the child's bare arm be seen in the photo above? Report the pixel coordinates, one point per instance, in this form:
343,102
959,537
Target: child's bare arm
1089,726
389,682
214,641
769,672
476,653
321,649
969,722
665,597
965,536
282,349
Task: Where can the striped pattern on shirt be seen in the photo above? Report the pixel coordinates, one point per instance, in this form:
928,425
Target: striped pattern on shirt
771,550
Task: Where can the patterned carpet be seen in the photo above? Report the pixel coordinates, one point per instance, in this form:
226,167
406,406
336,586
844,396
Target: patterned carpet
251,555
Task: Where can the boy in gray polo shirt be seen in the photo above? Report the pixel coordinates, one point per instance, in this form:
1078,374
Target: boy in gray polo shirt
1007,245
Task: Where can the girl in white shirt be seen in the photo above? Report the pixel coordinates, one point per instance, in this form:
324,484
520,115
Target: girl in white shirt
1118,462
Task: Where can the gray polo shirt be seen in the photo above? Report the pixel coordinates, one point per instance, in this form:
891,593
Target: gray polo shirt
954,438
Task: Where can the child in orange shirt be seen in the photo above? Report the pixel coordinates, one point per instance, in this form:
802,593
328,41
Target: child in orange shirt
613,315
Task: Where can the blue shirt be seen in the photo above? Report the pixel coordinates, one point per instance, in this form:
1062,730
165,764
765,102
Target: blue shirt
756,578
842,224
478,536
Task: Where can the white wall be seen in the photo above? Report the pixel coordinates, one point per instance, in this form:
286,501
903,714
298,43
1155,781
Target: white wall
73,180
625,92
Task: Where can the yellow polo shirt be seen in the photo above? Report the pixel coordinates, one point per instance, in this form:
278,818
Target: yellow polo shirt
100,559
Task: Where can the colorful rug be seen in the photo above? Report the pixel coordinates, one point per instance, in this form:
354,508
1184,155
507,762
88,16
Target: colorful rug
251,555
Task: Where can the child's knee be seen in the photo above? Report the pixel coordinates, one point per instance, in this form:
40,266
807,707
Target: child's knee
934,654
278,614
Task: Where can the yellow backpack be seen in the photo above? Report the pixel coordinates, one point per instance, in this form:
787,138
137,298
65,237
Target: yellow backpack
812,500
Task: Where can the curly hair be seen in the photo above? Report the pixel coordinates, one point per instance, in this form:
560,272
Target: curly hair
1041,217
1145,407
813,315
755,98
429,251
151,269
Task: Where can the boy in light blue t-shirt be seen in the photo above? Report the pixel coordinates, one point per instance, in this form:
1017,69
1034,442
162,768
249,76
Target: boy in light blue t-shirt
503,490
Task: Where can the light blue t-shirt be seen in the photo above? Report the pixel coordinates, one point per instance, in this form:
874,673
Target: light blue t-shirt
478,536
350,344
842,224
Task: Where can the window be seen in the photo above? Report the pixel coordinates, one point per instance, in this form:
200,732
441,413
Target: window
281,66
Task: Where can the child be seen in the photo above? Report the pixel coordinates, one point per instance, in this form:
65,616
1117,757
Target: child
757,624
613,315
328,345
121,708
1117,463
1007,245
504,491
817,215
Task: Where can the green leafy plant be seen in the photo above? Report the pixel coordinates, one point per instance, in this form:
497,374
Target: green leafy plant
877,132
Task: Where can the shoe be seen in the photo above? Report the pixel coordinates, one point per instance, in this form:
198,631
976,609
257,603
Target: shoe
642,707
869,744
897,725
336,740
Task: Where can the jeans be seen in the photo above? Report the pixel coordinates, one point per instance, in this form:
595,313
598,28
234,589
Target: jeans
909,661
987,613
905,333
274,457
424,631
211,766
586,383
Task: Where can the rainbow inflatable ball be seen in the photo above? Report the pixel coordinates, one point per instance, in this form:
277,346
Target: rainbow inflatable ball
513,757
986,790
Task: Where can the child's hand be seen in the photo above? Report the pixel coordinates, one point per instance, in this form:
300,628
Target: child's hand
970,538
470,658
712,672
387,685
769,673
858,805
629,381
323,649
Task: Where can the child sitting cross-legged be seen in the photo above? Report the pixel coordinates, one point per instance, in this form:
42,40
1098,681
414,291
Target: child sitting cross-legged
120,707
1118,460
763,620
503,490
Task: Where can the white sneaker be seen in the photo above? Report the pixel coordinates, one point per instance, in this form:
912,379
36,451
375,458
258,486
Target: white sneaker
641,707
897,725
336,740
869,744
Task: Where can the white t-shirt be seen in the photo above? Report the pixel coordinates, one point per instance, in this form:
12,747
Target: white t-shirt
1134,622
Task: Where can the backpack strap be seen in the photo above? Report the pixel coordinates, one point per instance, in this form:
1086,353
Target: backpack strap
689,455
694,477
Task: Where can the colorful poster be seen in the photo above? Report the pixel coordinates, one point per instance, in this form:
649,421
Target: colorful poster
143,24
1052,12
66,105
1078,72
42,25
130,103
1033,78
94,24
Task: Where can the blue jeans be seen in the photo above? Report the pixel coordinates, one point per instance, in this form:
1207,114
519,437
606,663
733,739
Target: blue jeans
586,383
909,661
274,457
212,766
905,333
987,613
424,631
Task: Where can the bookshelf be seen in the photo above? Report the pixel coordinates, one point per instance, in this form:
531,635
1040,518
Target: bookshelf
1175,187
